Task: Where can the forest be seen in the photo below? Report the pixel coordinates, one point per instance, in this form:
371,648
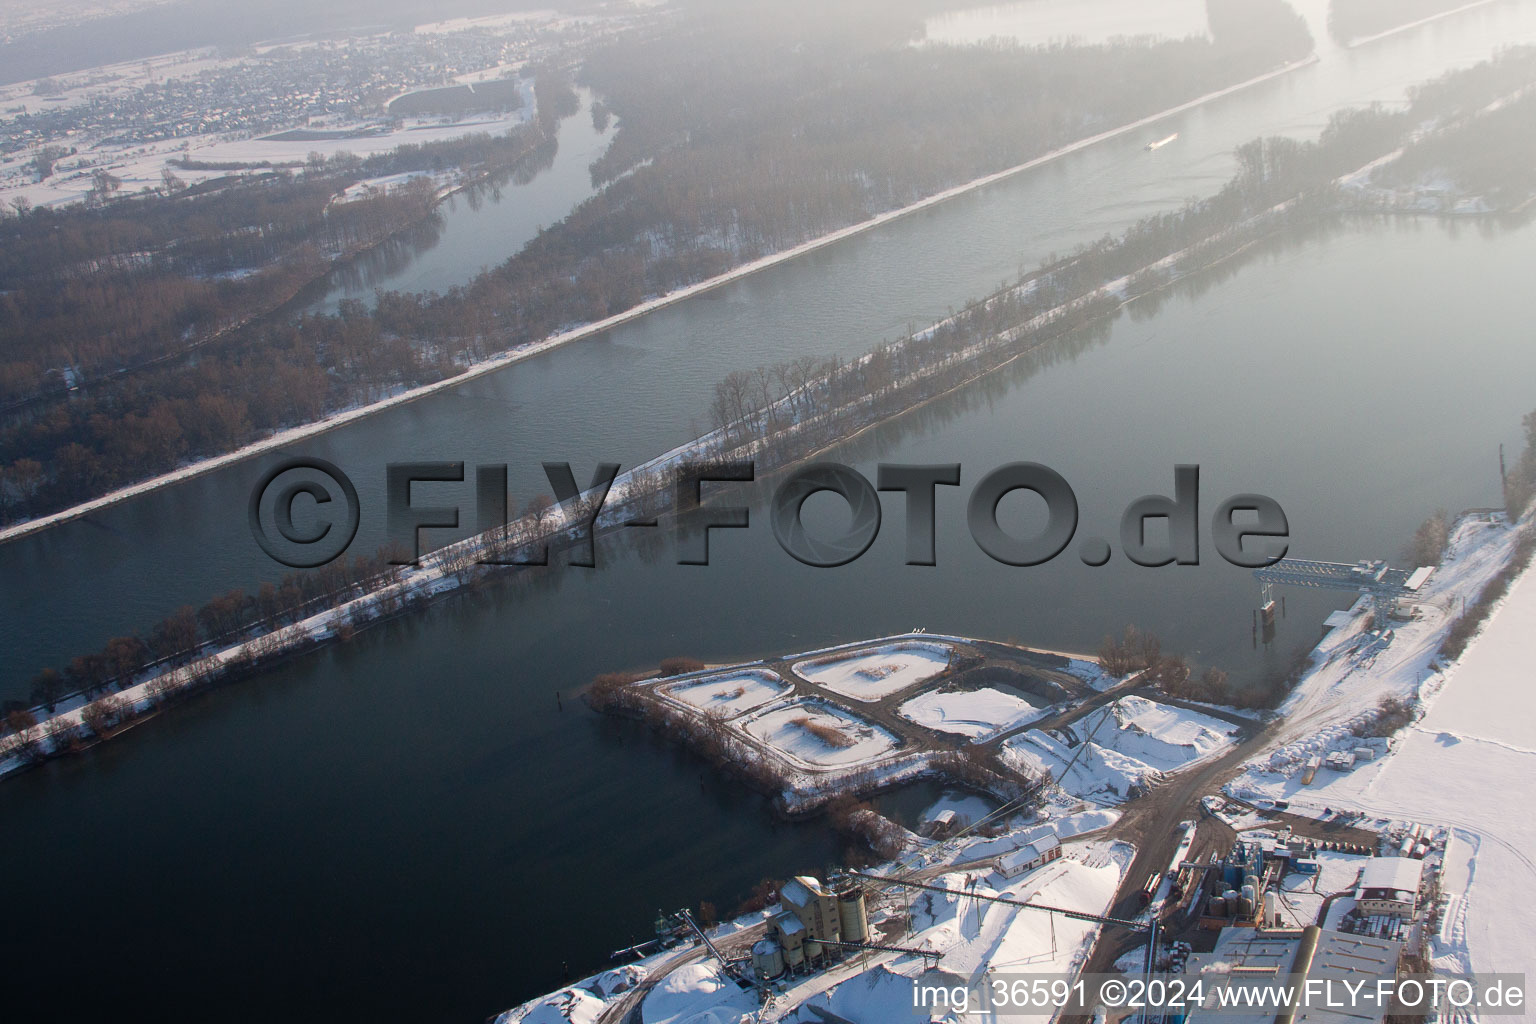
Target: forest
755,142
1492,155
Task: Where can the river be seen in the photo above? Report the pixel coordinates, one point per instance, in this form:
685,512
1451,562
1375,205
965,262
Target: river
477,228
416,807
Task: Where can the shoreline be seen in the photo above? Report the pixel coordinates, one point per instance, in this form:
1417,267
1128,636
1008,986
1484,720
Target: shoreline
293,434
1377,37
434,576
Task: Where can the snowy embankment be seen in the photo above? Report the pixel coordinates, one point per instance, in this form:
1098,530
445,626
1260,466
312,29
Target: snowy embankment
1410,26
473,370
1466,764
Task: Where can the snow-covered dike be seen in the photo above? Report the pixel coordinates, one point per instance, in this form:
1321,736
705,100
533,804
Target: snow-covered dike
975,714
873,675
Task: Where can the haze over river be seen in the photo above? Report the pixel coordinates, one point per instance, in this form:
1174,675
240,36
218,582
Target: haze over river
413,805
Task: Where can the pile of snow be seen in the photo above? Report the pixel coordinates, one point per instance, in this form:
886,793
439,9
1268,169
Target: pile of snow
730,693
880,994
791,730
1164,736
1135,741
568,1006
975,714
697,994
874,674
977,936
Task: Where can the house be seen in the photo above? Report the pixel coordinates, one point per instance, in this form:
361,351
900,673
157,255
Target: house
1037,853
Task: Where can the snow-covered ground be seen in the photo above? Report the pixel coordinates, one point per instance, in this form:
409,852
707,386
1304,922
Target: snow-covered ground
697,994
790,729
975,714
967,807
1065,826
1135,741
875,674
1466,764
140,165
730,693
977,938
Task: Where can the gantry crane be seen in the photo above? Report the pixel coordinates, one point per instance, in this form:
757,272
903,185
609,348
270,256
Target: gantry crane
1377,579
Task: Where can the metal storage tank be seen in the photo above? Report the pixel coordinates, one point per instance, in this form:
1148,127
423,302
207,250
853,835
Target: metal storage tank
813,949
767,959
1271,908
794,957
853,917
1217,907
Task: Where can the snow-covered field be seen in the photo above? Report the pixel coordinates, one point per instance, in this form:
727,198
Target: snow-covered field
730,693
873,675
1135,741
1466,764
791,729
975,714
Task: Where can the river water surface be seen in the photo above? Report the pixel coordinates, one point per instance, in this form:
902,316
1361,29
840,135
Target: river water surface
417,807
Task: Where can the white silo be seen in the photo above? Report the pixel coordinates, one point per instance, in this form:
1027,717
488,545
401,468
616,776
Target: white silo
853,916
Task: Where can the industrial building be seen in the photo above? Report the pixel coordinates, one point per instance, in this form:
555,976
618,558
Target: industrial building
815,922
1389,887
1245,955
1236,890
1037,853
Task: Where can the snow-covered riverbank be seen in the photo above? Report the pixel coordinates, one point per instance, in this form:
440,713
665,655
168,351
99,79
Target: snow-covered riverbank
1464,763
